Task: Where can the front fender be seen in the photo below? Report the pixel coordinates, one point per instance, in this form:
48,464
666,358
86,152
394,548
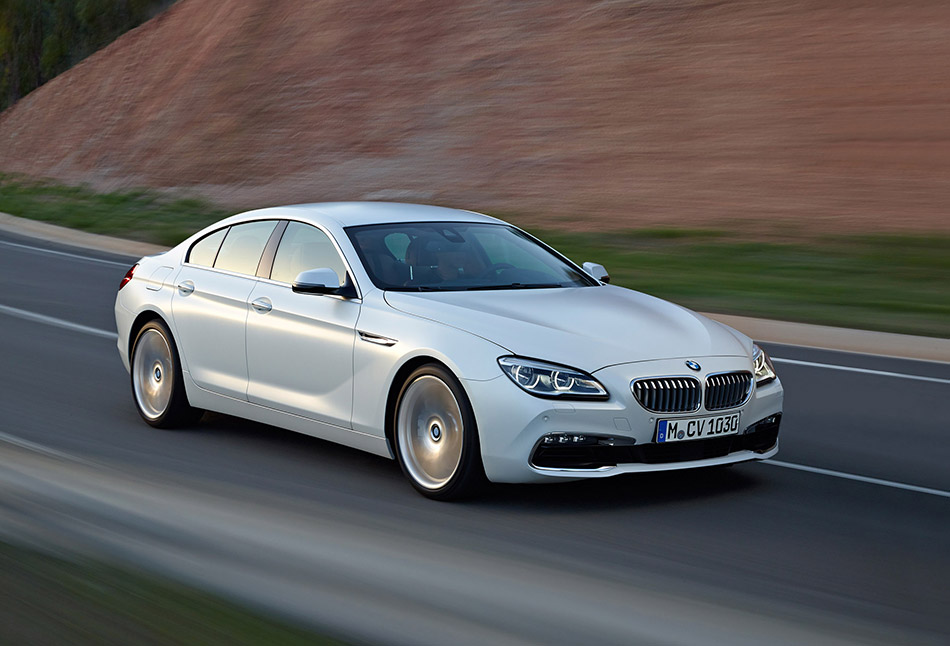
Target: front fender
376,366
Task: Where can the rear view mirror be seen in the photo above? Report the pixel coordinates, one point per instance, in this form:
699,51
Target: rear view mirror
597,271
317,281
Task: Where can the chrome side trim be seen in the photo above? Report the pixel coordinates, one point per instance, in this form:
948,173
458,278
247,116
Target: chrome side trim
378,339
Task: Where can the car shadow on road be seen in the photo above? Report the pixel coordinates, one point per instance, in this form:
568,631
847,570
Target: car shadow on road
626,491
315,459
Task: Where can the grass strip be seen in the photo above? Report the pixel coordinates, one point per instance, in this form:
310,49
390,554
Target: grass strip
874,282
51,600
144,215
892,283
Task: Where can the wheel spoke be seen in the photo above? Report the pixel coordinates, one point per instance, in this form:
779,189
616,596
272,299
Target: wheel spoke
152,374
429,430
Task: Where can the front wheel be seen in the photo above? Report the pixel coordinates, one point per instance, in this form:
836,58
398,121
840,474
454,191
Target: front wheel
436,437
157,383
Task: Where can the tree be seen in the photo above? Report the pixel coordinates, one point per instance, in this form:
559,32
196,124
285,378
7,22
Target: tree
40,39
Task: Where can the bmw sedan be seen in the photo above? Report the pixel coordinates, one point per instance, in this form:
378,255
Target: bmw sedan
453,342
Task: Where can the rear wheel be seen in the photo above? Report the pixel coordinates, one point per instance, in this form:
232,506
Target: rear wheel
436,437
157,384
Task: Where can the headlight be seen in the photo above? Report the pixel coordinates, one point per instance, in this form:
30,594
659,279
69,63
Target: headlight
551,380
764,370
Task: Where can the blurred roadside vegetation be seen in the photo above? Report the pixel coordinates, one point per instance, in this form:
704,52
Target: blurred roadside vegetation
51,600
147,216
42,38
893,283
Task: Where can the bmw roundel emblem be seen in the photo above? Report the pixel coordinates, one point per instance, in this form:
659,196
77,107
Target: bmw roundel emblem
692,365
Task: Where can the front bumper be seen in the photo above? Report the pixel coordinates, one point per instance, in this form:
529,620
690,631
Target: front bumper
512,425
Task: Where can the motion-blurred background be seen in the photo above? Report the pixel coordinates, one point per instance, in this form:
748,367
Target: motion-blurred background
586,114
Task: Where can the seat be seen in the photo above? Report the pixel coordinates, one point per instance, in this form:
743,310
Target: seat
422,261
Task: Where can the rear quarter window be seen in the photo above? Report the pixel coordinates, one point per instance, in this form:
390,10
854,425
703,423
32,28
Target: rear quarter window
205,250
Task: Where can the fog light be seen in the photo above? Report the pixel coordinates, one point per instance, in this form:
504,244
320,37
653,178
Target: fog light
567,438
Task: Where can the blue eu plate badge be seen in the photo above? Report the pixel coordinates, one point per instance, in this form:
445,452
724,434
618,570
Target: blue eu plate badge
661,431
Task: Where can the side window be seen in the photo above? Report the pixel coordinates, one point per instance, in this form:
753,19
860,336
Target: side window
304,247
204,251
242,247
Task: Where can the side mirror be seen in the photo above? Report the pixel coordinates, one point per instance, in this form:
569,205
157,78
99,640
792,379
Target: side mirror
317,281
597,271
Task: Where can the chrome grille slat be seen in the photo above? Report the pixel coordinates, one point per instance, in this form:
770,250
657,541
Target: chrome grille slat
668,394
727,390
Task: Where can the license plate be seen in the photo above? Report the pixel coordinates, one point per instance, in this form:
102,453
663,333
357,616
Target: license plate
679,430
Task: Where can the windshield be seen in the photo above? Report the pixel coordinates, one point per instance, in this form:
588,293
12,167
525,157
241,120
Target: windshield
457,256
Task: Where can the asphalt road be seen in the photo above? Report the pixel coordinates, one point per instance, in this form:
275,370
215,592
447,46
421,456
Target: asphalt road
758,553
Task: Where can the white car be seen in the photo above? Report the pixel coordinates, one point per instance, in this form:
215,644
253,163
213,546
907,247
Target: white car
451,341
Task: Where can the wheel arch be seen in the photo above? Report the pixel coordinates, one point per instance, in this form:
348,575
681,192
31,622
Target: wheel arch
141,319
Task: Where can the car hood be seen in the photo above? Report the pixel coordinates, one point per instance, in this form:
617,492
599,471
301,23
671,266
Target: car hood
584,327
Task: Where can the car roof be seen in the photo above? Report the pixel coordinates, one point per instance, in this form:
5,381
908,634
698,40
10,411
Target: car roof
346,214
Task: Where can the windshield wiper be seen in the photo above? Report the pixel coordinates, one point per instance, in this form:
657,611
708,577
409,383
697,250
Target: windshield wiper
516,286
419,288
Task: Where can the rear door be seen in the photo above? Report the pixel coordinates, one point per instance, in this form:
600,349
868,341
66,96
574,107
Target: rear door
211,301
300,346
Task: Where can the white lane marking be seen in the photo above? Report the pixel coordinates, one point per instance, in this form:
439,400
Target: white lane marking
882,373
50,320
851,476
65,254
38,448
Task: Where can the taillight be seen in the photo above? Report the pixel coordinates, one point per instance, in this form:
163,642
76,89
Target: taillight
128,276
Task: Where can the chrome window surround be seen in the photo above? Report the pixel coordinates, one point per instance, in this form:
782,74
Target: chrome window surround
349,269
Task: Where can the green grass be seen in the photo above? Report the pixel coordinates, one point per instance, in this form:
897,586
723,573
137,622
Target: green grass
895,283
50,600
875,282
143,215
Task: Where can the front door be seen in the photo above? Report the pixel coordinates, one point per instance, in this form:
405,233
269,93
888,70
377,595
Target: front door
300,346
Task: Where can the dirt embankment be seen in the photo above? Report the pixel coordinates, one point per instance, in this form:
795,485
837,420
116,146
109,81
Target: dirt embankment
815,115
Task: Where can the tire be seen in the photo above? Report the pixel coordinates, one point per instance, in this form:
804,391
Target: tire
436,437
158,388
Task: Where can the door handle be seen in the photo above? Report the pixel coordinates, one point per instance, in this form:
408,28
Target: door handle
186,287
262,305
